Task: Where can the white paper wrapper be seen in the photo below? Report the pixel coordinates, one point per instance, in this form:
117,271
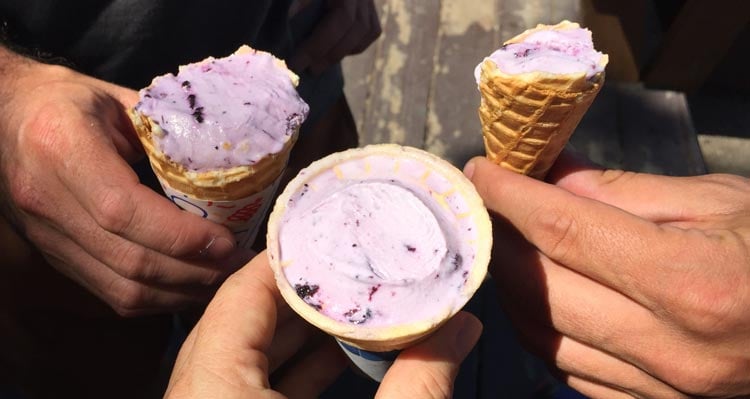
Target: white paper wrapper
372,364
242,217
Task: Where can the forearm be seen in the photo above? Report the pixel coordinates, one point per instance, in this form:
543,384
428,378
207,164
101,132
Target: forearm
13,67
19,74
10,64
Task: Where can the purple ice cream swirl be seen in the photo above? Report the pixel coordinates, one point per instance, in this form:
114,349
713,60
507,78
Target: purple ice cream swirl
378,241
226,112
554,51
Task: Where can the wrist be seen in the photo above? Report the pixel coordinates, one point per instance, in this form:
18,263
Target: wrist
18,75
13,67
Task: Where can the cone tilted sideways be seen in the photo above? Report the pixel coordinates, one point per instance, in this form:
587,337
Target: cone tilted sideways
219,133
379,246
530,105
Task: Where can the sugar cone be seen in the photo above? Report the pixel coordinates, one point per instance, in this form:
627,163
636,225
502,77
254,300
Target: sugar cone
388,337
237,197
528,118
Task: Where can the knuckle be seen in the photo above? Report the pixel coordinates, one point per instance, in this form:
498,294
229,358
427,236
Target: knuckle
114,211
714,305
25,194
40,133
709,313
701,377
555,232
214,278
179,242
134,263
127,298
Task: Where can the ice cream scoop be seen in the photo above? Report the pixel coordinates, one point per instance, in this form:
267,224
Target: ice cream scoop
379,246
568,50
226,112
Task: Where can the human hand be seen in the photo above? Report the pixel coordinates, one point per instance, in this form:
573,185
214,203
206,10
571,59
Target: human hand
627,284
66,185
238,343
347,27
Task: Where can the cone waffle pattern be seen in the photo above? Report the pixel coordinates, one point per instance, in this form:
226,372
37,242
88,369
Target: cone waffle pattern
528,118
527,122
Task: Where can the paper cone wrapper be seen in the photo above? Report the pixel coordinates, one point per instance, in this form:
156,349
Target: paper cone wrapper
380,344
237,197
528,118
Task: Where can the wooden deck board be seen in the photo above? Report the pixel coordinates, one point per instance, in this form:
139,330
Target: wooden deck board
467,30
657,132
632,128
398,90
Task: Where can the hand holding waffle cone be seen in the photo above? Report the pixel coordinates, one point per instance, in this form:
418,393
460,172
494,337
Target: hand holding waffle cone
534,92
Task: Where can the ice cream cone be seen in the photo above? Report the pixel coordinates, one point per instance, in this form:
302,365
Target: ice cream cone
405,167
236,196
527,118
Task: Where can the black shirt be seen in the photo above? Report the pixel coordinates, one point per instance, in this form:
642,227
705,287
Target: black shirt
129,42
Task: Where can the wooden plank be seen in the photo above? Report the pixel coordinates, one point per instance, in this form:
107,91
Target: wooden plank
467,34
657,132
597,136
689,55
395,111
633,128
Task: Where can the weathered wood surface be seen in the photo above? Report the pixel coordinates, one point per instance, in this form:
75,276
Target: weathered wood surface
415,86
629,127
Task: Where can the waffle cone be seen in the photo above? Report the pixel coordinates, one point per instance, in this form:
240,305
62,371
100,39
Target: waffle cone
381,338
528,118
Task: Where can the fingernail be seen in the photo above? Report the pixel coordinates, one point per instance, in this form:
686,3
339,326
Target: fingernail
217,248
469,169
468,335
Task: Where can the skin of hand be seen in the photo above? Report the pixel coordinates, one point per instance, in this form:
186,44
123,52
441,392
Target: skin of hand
627,284
229,354
347,27
65,184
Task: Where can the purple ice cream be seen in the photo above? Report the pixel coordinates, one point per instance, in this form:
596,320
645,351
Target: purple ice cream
555,51
222,113
379,241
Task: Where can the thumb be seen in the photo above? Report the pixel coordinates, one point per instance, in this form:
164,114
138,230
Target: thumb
654,197
428,369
